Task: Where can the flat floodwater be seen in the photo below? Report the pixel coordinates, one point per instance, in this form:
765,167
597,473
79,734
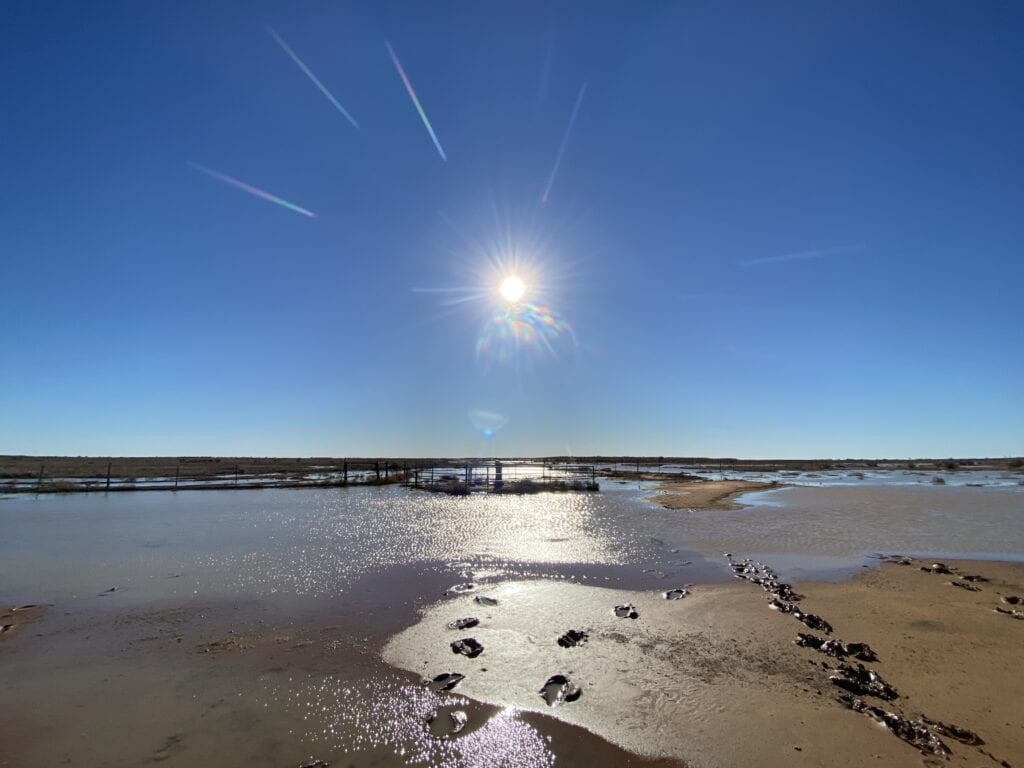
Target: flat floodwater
244,628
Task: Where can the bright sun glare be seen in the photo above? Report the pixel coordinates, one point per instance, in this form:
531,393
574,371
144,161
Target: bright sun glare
513,289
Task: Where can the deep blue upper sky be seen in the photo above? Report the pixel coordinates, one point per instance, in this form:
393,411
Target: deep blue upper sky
789,229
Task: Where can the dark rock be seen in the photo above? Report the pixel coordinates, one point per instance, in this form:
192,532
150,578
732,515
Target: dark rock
938,568
446,723
777,605
489,602
676,594
914,732
559,689
626,611
467,646
862,681
962,735
466,623
572,638
965,585
444,682
813,621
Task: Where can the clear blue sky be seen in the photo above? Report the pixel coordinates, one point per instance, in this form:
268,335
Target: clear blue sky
788,229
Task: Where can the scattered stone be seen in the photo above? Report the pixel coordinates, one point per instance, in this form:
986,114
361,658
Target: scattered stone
676,594
813,621
1013,600
559,689
862,681
777,605
444,682
107,591
466,623
974,578
914,732
316,764
965,585
626,611
489,602
1011,612
962,735
467,646
572,638
835,648
446,723
938,568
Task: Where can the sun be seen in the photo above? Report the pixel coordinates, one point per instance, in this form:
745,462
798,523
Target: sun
512,289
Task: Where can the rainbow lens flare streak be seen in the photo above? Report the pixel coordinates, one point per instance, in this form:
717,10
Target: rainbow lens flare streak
415,101
522,326
252,190
308,72
565,140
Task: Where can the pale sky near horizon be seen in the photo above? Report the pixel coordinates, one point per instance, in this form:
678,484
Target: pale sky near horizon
786,230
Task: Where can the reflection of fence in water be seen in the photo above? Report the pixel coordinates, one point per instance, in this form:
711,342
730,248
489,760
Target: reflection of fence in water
504,477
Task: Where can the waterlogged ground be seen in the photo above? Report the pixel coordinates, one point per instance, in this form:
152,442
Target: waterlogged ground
246,628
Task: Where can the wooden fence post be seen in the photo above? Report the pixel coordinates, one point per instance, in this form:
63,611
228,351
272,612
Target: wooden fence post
108,475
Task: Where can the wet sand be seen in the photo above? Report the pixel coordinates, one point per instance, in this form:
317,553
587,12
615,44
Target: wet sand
14,618
708,494
716,678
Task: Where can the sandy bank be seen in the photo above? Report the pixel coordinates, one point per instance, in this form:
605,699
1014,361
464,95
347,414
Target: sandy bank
14,618
715,678
709,494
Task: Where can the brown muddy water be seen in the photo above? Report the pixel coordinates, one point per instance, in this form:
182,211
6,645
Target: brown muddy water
272,628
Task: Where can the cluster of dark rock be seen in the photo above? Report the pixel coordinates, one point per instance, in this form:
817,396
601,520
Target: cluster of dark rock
469,647
572,638
857,680
781,596
836,648
914,732
862,681
969,581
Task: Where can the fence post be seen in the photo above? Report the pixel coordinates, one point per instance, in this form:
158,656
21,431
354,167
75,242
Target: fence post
344,471
376,468
177,471
39,484
108,475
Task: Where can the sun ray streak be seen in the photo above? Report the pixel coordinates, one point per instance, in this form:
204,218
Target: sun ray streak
309,73
252,190
415,101
565,140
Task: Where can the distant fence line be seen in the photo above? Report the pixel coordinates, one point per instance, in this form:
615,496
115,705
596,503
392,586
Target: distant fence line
209,474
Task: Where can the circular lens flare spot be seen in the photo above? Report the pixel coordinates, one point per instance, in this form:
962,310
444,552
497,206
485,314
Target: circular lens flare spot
512,289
